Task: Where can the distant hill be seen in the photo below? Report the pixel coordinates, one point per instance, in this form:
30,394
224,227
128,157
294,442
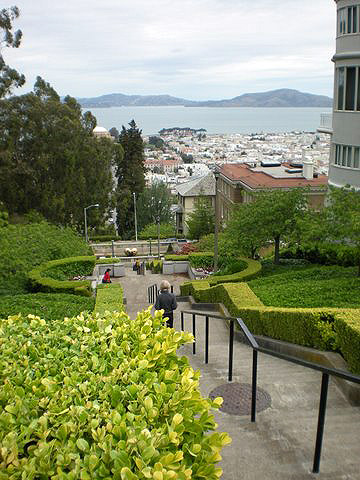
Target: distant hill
284,97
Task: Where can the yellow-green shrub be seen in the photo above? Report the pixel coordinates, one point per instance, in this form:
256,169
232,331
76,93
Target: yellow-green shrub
110,398
109,297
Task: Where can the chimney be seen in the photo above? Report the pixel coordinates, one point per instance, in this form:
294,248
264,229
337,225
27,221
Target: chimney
308,168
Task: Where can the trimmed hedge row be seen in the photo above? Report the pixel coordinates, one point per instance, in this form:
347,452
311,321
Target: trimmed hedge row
155,266
109,297
251,271
100,261
347,327
40,279
322,328
177,258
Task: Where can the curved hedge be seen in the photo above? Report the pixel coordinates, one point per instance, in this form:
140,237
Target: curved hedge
322,328
45,277
252,269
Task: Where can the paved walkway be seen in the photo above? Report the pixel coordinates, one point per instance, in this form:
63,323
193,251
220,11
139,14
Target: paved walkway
280,445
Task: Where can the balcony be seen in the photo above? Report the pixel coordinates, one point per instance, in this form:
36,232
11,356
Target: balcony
325,123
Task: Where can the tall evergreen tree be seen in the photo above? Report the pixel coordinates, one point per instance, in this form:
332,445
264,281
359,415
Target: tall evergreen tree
155,201
49,160
130,175
9,77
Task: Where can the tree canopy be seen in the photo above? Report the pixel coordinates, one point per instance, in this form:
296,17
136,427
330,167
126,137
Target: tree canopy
9,77
130,176
155,201
272,216
49,160
201,221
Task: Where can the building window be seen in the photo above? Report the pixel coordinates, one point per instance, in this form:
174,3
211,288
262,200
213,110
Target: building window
348,20
347,156
348,88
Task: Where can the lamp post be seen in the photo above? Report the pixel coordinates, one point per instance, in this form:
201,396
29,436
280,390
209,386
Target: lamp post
157,206
134,195
86,208
216,233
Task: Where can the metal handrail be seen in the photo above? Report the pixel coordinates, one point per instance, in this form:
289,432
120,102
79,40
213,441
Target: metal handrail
152,293
326,371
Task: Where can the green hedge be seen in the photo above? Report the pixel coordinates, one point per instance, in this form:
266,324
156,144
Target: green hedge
155,266
49,306
103,397
252,270
101,261
109,297
322,328
40,281
177,258
347,326
103,238
324,254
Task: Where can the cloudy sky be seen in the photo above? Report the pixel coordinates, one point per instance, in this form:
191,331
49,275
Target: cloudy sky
195,49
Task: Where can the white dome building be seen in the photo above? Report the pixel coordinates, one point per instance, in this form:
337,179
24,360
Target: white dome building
101,132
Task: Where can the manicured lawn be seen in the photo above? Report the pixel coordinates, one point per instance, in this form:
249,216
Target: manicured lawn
49,306
308,286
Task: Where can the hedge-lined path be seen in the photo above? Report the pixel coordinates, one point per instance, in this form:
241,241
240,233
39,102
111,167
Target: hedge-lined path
280,445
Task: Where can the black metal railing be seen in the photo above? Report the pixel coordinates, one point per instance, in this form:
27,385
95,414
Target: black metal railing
153,292
326,372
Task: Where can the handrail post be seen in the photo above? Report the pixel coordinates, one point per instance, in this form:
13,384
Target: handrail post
182,321
194,333
206,339
321,421
231,349
254,386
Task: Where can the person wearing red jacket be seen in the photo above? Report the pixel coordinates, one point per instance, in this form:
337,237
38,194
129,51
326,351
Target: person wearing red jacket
106,277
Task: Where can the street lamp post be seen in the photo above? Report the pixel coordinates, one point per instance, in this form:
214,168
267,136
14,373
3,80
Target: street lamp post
86,208
136,237
216,235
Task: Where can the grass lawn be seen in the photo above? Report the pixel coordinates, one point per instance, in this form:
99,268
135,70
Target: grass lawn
50,306
308,286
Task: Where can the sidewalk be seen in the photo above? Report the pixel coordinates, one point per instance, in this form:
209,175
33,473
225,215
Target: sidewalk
280,445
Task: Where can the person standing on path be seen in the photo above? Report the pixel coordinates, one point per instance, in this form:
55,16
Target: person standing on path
166,301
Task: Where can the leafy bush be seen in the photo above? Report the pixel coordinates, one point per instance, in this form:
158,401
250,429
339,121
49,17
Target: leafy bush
324,253
22,247
177,258
109,298
151,231
101,261
67,268
201,259
228,266
103,397
311,286
155,266
46,305
347,327
39,281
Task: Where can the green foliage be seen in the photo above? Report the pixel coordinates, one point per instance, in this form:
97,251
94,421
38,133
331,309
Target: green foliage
130,174
155,266
153,203
323,253
50,162
109,298
151,231
272,216
177,258
40,278
311,286
110,398
201,221
101,261
201,259
4,219
347,326
22,247
9,77
103,238
50,306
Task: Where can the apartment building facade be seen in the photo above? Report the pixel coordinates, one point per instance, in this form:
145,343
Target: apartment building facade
344,165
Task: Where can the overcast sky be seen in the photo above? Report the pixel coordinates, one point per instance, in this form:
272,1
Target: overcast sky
195,49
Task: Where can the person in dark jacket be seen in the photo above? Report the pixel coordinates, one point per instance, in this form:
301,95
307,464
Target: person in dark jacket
166,301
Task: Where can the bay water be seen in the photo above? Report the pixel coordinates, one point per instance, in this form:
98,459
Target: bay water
215,120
